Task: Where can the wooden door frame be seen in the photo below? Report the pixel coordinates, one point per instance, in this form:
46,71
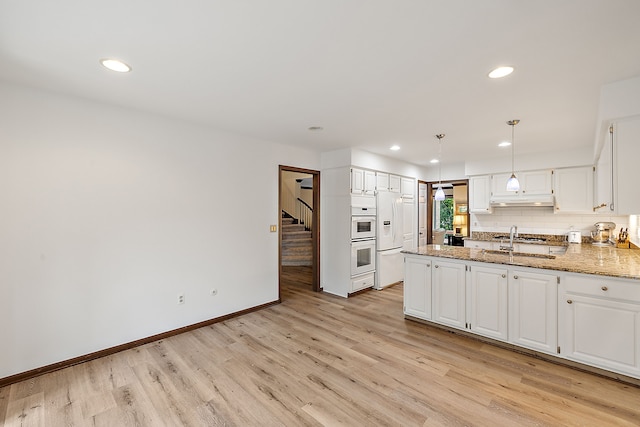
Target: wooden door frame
315,230
430,186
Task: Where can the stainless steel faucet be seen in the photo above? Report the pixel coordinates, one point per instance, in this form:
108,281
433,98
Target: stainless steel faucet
513,232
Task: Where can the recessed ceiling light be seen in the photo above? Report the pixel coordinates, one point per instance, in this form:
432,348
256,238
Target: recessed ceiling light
394,148
504,144
315,128
500,72
115,65
434,161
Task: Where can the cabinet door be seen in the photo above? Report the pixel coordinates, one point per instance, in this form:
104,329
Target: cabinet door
533,310
573,188
604,180
408,223
382,181
394,183
499,184
369,182
357,181
627,153
408,188
488,302
448,281
480,193
536,182
478,244
601,332
417,287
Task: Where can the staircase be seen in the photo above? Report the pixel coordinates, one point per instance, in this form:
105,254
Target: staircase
297,247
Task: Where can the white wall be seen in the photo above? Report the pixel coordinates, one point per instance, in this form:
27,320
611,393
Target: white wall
108,214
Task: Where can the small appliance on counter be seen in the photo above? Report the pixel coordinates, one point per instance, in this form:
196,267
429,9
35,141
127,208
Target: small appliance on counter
603,233
574,237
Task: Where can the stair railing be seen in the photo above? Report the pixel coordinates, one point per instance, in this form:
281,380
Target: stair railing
304,213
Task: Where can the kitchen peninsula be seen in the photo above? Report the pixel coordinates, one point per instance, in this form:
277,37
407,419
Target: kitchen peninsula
581,307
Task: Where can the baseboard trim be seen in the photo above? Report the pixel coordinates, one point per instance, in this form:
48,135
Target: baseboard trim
112,350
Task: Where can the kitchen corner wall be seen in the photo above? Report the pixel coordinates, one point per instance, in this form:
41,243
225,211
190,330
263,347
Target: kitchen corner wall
540,221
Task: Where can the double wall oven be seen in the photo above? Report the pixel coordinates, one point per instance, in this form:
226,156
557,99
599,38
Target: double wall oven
363,241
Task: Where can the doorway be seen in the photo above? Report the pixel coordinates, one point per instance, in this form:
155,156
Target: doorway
450,214
299,230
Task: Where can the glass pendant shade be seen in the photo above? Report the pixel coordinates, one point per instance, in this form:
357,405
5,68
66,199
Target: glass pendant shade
513,184
439,194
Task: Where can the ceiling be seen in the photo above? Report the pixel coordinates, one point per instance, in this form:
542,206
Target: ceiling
372,73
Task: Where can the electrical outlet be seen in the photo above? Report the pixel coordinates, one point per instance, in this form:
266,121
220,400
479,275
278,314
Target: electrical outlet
180,298
214,292
273,228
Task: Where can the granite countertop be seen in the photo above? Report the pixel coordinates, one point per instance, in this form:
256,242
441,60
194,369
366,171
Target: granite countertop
579,258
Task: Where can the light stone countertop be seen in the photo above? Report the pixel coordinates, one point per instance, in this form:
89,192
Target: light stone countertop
579,258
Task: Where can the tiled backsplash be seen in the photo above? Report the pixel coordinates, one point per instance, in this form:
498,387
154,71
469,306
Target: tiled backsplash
541,221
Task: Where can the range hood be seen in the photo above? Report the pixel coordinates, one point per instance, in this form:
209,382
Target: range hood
523,200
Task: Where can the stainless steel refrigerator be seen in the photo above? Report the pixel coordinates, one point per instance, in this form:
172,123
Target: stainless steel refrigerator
389,239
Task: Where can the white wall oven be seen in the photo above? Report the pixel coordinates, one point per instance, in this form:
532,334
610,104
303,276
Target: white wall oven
363,226
363,257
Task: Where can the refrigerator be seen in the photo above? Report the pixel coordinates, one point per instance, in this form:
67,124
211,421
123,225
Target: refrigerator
389,240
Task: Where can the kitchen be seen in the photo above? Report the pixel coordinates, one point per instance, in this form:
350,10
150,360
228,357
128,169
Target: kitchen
114,184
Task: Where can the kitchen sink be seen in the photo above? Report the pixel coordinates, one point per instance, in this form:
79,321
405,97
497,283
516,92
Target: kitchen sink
524,254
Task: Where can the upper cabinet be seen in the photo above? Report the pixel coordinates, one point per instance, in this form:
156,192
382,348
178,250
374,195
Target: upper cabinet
532,183
387,182
480,194
363,182
408,188
616,189
573,188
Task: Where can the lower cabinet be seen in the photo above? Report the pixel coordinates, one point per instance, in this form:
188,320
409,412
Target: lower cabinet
448,281
488,301
594,320
600,320
533,319
417,287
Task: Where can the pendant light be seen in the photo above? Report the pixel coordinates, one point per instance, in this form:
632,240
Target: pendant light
439,192
513,184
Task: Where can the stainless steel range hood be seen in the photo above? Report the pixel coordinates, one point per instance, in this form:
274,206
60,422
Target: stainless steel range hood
523,200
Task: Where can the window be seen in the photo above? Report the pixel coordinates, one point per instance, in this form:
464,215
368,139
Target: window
443,213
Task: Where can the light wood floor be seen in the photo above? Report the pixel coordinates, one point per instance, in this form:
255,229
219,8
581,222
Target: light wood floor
314,360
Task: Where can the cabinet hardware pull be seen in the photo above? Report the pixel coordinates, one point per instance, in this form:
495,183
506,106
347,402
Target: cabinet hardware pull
515,277
569,301
437,265
504,275
428,265
604,288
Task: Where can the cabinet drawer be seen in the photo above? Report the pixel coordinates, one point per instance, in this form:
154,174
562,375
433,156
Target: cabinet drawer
603,286
362,282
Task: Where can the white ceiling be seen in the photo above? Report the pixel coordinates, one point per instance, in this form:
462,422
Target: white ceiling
373,73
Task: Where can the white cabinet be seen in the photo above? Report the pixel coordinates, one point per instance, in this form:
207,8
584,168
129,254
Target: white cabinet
417,287
615,184
601,322
387,182
533,310
480,194
573,188
363,281
488,301
478,244
449,302
626,151
532,183
408,188
363,182
409,225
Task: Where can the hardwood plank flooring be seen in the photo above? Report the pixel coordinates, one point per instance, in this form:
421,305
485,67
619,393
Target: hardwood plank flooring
320,360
